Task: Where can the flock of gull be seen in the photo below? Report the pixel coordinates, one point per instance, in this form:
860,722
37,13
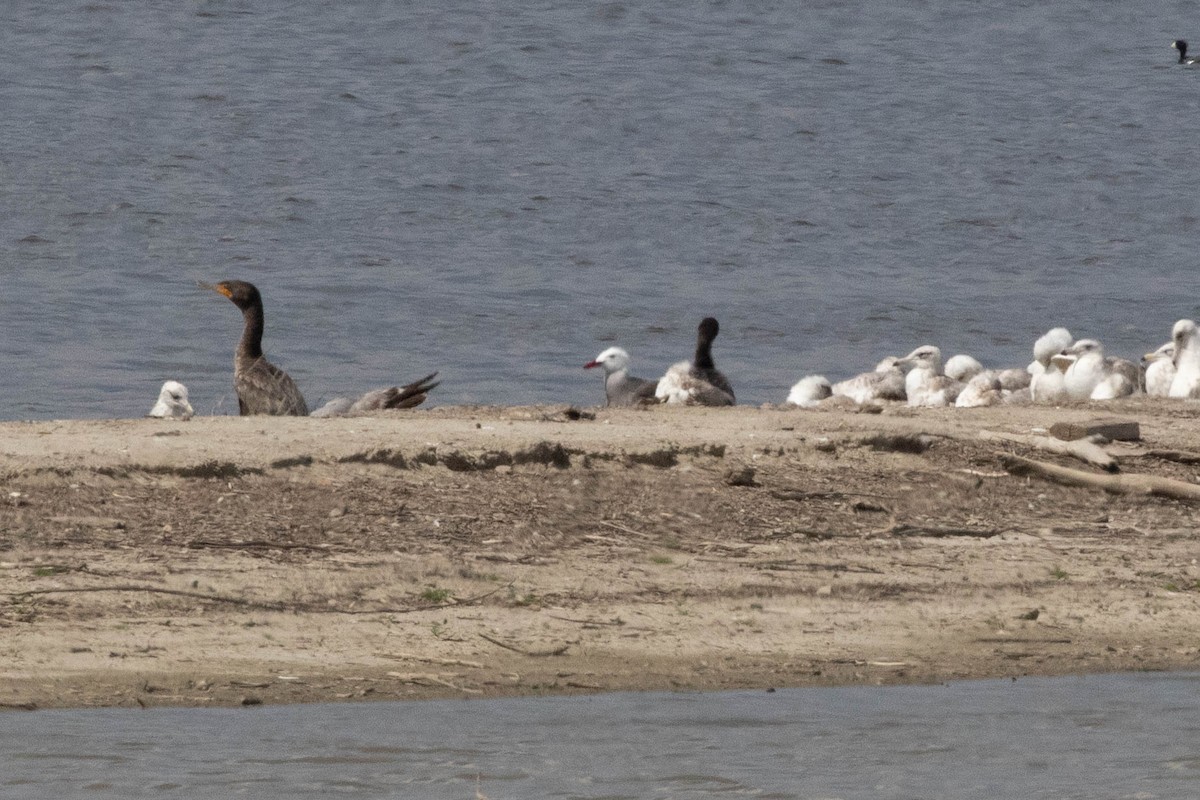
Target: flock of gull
1063,370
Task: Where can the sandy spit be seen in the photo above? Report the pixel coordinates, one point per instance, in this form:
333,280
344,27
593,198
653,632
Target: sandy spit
482,552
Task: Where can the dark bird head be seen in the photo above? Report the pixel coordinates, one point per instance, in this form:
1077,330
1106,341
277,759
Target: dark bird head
243,294
1181,46
709,329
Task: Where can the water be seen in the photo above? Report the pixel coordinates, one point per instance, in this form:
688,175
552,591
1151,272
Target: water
501,189
1119,736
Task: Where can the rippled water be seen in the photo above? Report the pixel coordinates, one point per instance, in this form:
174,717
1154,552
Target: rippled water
501,189
1119,736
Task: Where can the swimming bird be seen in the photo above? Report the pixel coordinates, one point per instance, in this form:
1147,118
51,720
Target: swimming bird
1186,382
697,382
925,384
263,388
885,383
172,402
809,391
621,388
1160,370
1181,46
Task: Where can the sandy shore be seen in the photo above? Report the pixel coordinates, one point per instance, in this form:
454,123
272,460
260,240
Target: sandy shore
483,552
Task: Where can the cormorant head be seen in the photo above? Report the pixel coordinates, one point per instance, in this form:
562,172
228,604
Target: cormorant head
243,294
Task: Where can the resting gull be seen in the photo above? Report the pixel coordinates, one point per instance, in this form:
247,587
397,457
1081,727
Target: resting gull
172,402
1091,376
925,385
1160,370
809,391
621,388
1186,382
885,383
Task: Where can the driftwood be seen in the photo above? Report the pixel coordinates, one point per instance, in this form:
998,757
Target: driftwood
558,651
1080,448
1178,456
265,605
941,533
1127,483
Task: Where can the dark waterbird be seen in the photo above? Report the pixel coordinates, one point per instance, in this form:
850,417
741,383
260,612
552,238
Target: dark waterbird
263,388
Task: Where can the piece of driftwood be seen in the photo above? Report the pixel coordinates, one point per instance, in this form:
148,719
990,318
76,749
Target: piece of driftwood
1117,430
1127,483
942,533
1080,448
558,651
1178,456
267,605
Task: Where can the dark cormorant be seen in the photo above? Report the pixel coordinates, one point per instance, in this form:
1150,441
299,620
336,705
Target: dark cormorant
263,388
698,382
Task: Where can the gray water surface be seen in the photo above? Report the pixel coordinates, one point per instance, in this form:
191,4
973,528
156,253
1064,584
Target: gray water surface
501,189
1095,737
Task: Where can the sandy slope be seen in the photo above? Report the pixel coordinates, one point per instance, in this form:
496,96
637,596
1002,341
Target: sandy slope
467,552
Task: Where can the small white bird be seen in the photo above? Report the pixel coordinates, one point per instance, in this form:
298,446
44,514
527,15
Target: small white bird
172,402
885,383
1048,345
1091,376
809,391
925,385
1160,370
1186,382
983,389
1050,384
962,367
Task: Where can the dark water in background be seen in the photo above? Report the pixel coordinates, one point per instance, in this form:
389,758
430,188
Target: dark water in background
1084,738
501,189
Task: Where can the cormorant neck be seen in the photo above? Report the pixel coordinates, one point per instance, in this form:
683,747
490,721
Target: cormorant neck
251,344
703,359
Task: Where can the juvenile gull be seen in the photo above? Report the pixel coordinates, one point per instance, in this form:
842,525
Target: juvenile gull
1048,345
925,385
697,382
886,382
172,402
809,391
1091,376
621,388
962,367
1186,382
981,390
1160,370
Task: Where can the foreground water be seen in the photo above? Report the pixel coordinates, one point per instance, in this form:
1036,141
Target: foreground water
501,189
1116,736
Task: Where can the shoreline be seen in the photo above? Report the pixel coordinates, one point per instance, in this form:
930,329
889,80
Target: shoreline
490,552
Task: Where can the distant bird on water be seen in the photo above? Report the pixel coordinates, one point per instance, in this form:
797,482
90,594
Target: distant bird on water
263,388
172,402
1181,46
697,382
